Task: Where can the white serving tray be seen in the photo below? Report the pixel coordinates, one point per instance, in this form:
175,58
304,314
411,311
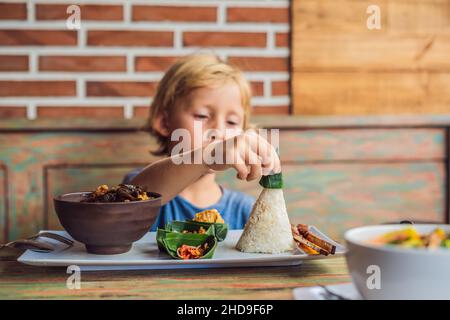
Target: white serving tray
145,255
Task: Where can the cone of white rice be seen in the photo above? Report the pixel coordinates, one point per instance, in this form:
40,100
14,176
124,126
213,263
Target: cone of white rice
268,229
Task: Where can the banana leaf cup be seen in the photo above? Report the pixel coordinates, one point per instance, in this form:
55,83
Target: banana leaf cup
178,227
170,241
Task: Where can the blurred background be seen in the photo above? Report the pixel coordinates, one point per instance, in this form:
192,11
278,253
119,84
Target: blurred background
363,112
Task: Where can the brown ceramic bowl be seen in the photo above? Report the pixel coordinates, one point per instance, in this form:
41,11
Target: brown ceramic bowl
106,228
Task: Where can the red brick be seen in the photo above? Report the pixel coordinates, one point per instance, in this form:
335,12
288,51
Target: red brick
282,39
257,88
141,112
120,89
130,38
280,88
260,63
20,37
88,12
13,63
13,11
154,63
12,112
82,63
79,112
247,14
263,110
174,13
37,88
225,39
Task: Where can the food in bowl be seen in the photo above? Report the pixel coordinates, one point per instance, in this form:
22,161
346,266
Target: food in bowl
120,193
106,227
411,238
394,271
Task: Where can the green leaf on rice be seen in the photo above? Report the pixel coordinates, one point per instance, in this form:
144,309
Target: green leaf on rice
273,181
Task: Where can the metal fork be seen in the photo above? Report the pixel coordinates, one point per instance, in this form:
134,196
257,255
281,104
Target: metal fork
31,243
330,295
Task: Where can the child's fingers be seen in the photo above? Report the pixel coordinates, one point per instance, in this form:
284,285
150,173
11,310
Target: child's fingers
277,165
270,158
254,162
264,149
241,168
268,168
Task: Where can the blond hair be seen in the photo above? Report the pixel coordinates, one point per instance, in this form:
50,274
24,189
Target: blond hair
189,73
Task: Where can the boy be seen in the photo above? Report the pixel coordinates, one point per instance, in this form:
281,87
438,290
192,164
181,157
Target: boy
202,91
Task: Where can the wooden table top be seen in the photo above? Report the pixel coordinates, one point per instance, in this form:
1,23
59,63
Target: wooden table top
19,281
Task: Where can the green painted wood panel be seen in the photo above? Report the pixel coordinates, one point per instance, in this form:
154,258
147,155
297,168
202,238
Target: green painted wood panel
336,178
3,196
367,144
336,197
27,156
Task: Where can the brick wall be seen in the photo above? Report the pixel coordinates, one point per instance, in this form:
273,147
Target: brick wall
110,67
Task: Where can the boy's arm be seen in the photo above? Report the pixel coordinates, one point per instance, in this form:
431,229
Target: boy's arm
251,154
167,178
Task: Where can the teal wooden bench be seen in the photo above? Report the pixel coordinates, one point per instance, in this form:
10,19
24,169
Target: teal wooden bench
339,172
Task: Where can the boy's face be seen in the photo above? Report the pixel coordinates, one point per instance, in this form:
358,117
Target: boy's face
218,108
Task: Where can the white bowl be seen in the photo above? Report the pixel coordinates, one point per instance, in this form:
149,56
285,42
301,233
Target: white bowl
404,273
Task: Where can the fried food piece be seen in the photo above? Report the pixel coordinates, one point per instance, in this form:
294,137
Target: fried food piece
309,243
186,252
101,190
303,230
211,216
120,193
200,231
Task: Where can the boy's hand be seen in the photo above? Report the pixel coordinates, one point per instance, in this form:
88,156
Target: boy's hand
249,153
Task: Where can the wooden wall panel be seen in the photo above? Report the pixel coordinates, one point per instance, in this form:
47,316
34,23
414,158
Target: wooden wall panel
377,52
325,93
337,16
398,17
340,67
